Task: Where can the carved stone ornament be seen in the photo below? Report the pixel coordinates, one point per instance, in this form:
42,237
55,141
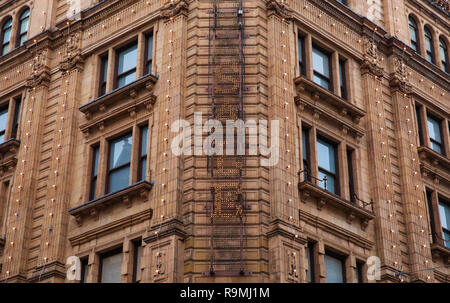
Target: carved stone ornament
280,9
399,78
371,62
39,61
72,55
174,8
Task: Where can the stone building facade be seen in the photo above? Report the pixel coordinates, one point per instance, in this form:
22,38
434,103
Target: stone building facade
88,93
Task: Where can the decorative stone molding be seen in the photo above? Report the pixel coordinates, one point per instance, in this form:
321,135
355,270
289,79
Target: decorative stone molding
72,54
92,208
399,77
280,9
172,8
371,61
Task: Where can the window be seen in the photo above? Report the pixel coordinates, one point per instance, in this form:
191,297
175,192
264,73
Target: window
342,79
301,55
321,67
22,30
310,257
111,267
413,33
419,124
326,161
148,54
119,163
95,154
444,214
429,45
84,270
434,131
334,267
305,152
15,127
351,182
3,122
126,69
137,261
103,74
143,153
6,36
443,50
359,271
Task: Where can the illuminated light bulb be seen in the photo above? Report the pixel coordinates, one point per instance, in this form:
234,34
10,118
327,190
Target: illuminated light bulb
296,235
392,231
393,246
156,232
424,246
9,257
163,200
163,185
162,216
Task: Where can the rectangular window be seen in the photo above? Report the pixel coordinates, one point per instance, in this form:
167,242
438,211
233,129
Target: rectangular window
444,214
137,262
126,67
326,157
3,122
305,153
310,257
321,67
149,54
351,180
334,267
111,267
419,125
143,153
342,79
119,163
84,270
429,195
359,271
17,110
301,55
103,75
434,131
95,154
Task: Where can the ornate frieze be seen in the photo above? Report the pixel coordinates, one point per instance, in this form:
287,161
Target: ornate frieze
280,9
174,8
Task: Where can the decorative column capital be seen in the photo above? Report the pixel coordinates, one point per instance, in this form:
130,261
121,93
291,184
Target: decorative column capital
372,58
280,9
399,77
72,55
174,8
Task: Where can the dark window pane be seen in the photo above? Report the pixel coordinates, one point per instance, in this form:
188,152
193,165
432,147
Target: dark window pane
3,118
144,137
127,78
143,170
111,269
342,75
444,213
119,179
334,270
310,259
137,261
443,53
419,125
359,272
434,131
84,271
322,81
120,151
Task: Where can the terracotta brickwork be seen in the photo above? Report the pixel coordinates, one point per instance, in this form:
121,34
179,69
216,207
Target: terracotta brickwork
64,105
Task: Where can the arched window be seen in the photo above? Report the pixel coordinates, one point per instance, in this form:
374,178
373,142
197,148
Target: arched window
6,36
443,50
429,45
22,30
413,33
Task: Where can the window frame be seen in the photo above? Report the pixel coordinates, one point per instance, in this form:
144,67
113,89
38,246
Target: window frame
445,230
432,140
103,75
320,137
443,47
415,44
341,257
147,61
95,153
136,245
127,72
20,34
342,66
109,170
301,52
311,261
84,262
429,52
2,35
328,54
143,157
106,254
306,152
4,107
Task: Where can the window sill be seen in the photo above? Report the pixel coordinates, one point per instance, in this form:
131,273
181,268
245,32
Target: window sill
8,155
126,195
120,101
439,250
322,197
434,158
317,93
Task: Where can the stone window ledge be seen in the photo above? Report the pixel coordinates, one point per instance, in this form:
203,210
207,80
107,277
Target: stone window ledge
322,197
119,101
8,155
435,158
319,93
125,196
439,250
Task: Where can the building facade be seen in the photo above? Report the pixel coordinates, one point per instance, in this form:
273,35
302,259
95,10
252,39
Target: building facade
92,191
